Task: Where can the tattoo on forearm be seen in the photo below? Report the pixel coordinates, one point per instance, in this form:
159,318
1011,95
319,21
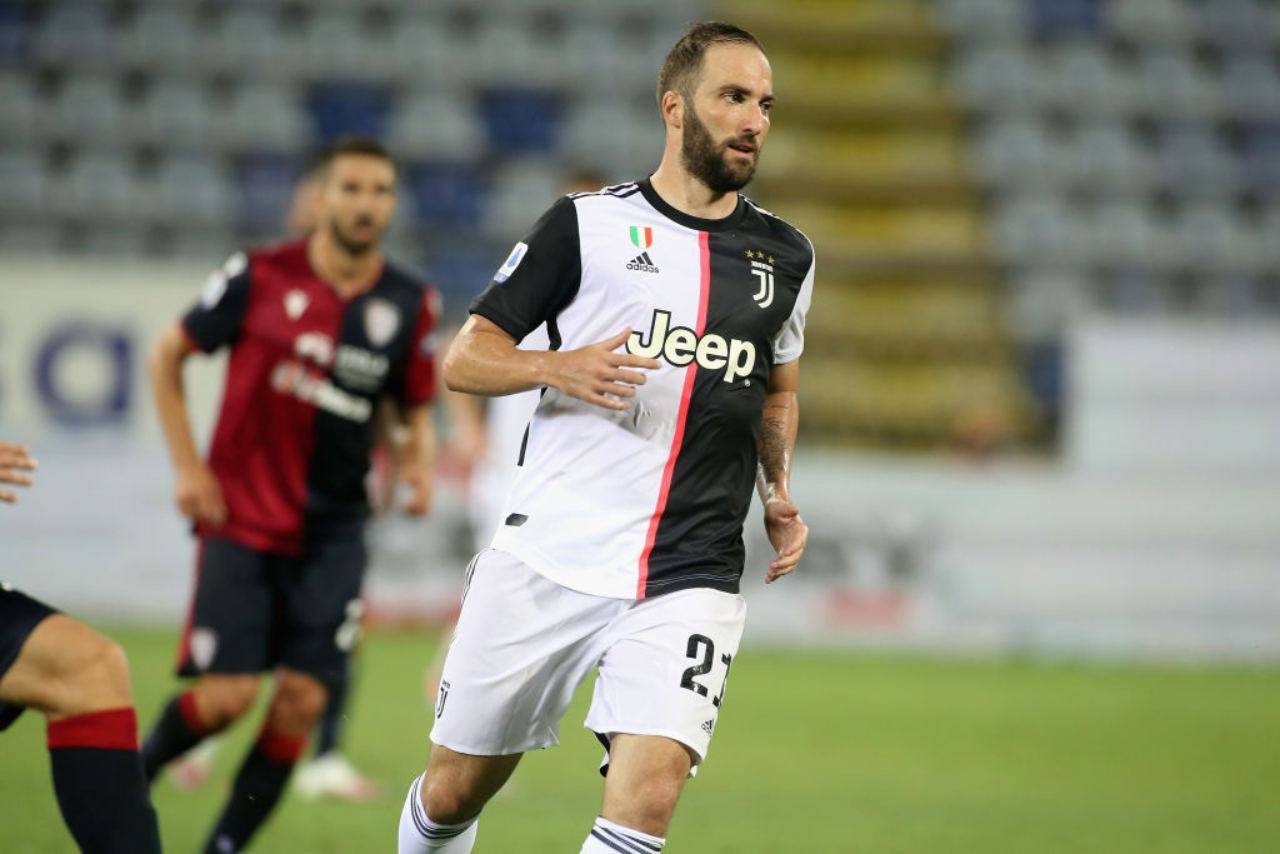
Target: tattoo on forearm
773,446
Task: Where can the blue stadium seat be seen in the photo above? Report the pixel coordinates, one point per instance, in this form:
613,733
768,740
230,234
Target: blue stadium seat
523,189
24,182
1238,23
1151,21
437,127
1251,87
161,38
1017,152
22,106
975,20
460,273
1261,158
263,116
521,120
338,109
1194,162
76,35
264,186
177,113
448,194
15,35
1050,18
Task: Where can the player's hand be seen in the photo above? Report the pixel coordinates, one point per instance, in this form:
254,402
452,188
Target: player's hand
417,479
460,456
788,533
15,462
594,372
199,497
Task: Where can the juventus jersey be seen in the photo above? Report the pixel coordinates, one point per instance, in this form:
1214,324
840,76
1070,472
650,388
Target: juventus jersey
652,499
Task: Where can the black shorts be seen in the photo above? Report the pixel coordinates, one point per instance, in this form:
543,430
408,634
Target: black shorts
254,610
19,616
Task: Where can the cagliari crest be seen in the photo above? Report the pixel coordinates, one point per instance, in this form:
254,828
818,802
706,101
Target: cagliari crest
381,320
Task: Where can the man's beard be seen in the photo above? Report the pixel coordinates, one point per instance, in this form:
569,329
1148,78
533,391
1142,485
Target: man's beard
351,245
705,160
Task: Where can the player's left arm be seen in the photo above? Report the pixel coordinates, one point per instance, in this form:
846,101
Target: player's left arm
774,450
417,463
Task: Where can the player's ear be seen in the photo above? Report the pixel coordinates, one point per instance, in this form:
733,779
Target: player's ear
673,109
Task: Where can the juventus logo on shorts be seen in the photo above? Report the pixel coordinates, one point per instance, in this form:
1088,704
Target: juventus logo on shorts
444,696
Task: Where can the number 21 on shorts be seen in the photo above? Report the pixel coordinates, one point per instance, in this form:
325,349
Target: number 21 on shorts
703,650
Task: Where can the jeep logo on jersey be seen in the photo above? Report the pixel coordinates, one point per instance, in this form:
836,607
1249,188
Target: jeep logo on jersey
641,236
381,320
681,345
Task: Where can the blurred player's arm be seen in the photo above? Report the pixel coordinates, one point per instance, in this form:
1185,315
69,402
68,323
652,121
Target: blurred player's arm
484,359
464,416
417,458
15,462
775,448
197,493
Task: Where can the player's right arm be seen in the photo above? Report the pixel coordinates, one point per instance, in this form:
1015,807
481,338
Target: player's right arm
539,278
213,322
484,359
196,490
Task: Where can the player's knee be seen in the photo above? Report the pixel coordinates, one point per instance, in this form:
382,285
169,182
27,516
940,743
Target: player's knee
654,801
298,702
223,699
448,800
98,676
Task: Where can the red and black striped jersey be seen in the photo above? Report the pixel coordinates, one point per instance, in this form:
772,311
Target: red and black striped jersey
305,372
652,499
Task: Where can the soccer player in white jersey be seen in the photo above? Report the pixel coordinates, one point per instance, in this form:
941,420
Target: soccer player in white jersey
675,312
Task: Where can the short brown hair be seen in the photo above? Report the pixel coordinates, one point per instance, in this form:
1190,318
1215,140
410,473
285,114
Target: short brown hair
366,146
684,60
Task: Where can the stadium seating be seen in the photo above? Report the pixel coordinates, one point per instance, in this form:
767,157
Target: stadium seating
973,172
1163,107
252,88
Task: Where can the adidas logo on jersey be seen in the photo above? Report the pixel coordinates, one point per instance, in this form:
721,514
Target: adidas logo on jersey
643,263
681,345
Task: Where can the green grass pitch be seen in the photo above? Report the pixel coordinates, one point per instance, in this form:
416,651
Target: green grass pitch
813,753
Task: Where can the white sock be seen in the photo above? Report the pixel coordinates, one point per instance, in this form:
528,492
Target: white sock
609,838
419,834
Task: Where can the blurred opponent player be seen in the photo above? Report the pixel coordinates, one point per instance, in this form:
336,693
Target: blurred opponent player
622,546
329,773
319,331
80,681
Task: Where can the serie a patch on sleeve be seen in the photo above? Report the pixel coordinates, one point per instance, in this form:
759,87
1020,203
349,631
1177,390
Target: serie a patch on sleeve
509,266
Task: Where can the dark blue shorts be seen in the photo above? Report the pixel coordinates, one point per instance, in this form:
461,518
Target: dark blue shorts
19,616
253,611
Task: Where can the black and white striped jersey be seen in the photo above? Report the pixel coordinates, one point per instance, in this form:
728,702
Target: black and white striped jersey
643,502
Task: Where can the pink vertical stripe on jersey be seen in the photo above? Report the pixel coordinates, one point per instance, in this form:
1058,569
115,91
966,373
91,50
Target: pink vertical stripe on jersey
690,374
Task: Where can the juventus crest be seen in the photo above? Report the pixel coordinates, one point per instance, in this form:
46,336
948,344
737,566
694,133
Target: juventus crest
763,271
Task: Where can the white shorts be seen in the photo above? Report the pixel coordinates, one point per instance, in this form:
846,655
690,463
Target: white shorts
524,643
